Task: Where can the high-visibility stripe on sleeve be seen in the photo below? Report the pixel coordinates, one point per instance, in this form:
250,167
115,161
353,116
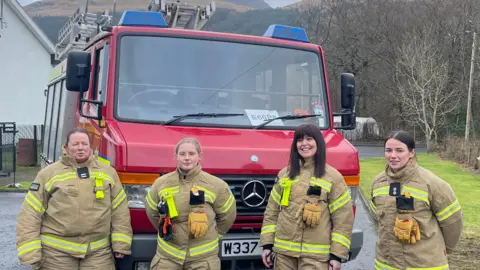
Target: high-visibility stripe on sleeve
34,202
272,228
275,196
381,191
150,202
340,201
448,211
121,237
339,238
121,196
227,205
29,246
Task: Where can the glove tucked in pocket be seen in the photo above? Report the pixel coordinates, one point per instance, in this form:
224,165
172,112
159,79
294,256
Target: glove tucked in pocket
197,219
310,210
406,228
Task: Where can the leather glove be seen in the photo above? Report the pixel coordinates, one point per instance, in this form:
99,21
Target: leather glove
415,233
403,229
309,213
197,219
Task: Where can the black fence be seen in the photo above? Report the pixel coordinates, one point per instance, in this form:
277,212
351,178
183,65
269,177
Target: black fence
8,152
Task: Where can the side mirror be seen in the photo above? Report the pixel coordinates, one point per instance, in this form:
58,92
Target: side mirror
348,91
78,71
348,115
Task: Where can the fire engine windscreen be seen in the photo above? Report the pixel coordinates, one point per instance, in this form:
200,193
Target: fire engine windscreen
163,77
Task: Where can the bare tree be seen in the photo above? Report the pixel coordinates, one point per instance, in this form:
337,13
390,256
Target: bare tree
422,79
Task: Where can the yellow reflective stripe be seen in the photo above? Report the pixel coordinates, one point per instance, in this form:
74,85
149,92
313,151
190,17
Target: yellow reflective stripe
209,196
298,247
322,183
382,266
448,211
443,267
171,250
227,205
34,202
269,229
275,196
417,193
340,201
205,248
62,244
220,235
339,238
167,194
121,237
317,249
374,207
119,199
100,243
29,246
286,184
59,178
381,191
287,245
151,203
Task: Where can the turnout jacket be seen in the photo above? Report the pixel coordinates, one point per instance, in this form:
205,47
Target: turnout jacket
332,235
436,209
220,208
73,214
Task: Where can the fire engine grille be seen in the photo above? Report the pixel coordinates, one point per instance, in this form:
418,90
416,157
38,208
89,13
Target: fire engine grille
251,183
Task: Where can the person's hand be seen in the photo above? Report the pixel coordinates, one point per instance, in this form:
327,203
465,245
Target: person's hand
118,255
334,265
266,259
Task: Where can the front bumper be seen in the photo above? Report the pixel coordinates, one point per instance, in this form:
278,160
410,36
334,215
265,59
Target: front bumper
242,256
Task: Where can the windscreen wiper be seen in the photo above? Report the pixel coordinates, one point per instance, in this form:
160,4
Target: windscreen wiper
286,117
200,115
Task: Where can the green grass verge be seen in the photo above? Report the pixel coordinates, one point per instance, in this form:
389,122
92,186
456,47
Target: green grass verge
465,185
23,187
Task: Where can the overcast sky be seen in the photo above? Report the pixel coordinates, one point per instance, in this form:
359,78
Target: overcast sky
273,3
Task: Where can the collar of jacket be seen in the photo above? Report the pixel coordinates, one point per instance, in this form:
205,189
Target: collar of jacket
404,174
70,161
190,175
307,165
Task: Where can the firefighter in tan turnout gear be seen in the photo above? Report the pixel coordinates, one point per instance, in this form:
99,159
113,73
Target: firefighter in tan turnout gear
309,217
192,210
74,213
419,217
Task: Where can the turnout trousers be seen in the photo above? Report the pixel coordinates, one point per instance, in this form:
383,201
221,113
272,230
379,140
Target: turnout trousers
53,259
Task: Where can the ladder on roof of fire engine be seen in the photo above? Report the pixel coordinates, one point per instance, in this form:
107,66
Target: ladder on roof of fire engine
83,26
183,16
78,30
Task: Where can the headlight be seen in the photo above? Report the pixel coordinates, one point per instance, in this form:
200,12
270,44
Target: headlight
136,195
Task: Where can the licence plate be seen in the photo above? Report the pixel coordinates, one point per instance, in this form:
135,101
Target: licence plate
142,266
241,247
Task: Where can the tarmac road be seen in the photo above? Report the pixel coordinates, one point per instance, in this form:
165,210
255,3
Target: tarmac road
10,204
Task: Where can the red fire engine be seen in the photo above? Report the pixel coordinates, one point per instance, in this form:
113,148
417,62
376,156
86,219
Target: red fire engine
142,85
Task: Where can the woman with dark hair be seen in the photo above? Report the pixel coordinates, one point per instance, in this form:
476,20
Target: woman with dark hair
420,219
309,217
75,214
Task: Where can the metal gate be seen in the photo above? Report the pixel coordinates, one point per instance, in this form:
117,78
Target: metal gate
8,155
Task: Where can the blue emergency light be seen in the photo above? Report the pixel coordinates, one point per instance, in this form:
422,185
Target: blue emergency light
142,18
287,32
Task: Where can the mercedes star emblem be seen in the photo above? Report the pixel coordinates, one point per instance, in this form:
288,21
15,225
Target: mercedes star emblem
254,193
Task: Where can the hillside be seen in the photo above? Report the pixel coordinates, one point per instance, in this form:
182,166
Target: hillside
256,4
67,7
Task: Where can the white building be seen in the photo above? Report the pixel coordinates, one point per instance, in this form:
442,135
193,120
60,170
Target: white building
26,59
